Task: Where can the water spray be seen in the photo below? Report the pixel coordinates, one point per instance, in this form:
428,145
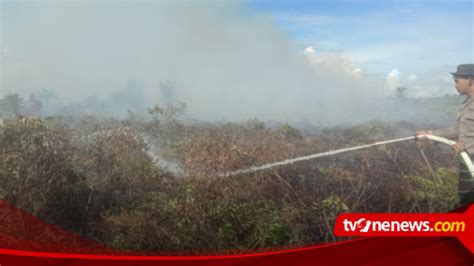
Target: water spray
465,157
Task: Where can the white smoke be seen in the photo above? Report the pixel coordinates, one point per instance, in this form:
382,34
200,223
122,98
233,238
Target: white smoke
222,59
412,78
331,62
393,79
155,152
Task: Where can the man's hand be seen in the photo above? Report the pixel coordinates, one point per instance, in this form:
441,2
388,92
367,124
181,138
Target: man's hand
458,147
421,135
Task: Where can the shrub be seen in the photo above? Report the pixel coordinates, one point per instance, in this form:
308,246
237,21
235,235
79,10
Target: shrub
37,172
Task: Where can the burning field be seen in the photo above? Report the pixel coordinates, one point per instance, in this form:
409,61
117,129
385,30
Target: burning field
140,124
159,183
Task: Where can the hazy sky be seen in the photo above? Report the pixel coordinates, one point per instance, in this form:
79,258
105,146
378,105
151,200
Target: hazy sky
418,40
234,60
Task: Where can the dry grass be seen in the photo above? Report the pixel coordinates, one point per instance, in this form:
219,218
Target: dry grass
96,176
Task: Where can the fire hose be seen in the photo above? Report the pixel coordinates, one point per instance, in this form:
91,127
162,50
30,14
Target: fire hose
464,156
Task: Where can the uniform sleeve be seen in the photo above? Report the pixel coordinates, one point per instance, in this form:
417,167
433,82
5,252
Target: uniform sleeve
466,130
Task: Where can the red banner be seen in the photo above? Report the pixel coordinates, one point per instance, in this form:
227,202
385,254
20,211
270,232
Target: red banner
26,240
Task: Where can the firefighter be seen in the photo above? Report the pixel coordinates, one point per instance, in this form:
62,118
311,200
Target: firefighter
463,131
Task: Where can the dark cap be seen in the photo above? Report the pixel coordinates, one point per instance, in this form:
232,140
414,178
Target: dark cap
466,70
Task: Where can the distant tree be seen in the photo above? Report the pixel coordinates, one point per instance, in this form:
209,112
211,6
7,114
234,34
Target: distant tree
46,96
167,92
170,112
401,92
11,104
34,105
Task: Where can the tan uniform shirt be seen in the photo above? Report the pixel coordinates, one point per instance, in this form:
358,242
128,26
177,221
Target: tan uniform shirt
464,129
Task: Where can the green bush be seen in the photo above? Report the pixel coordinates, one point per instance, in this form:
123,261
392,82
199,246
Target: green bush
250,225
97,176
439,192
37,171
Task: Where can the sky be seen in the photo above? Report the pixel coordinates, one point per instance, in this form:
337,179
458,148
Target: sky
233,60
410,40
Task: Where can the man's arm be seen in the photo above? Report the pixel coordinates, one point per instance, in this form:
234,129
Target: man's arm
466,129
